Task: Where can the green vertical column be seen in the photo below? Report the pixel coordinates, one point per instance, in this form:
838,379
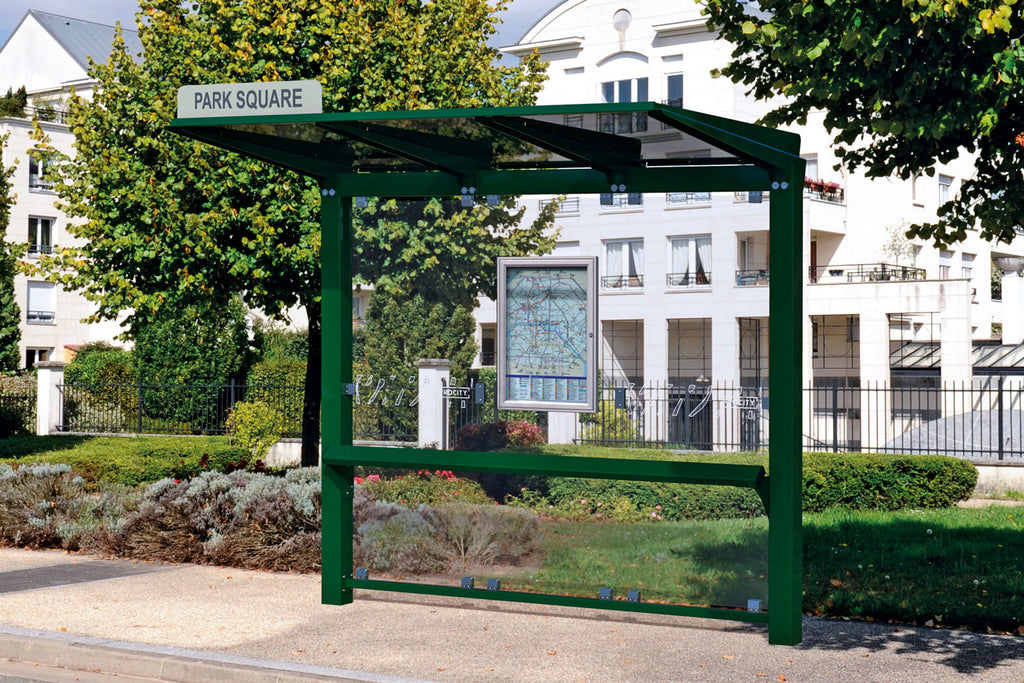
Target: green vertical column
336,405
785,563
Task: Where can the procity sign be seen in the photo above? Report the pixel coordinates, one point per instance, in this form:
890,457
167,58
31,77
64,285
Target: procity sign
250,99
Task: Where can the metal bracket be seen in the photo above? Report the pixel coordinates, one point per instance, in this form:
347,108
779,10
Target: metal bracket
350,389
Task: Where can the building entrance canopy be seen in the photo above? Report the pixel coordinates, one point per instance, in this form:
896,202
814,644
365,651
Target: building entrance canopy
579,149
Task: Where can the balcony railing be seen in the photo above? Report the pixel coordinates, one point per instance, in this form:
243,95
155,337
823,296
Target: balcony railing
688,198
623,122
39,249
567,205
752,277
824,190
40,316
622,281
864,272
689,279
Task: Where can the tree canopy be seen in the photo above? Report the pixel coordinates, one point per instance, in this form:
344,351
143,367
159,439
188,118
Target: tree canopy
10,315
169,222
903,85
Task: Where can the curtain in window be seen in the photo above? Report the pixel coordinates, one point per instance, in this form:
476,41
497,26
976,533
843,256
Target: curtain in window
614,263
681,260
703,259
636,259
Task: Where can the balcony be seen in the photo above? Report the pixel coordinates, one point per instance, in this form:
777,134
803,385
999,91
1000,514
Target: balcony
864,272
39,317
622,282
824,190
37,250
753,277
688,280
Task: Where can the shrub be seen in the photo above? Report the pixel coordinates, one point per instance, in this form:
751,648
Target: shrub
46,506
256,427
279,382
128,461
395,538
242,519
626,501
424,487
491,436
885,482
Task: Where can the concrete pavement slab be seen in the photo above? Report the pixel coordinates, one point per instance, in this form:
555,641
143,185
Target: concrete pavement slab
274,619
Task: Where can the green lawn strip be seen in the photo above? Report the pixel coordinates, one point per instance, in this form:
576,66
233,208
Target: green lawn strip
882,566
125,460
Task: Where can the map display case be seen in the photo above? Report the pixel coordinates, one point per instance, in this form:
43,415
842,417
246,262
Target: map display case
547,334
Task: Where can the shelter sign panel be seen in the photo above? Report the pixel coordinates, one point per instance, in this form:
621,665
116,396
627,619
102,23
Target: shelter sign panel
547,334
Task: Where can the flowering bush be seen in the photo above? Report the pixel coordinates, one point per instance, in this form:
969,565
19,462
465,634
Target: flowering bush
491,436
424,487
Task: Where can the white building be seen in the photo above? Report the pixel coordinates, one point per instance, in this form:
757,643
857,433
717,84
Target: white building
48,55
683,301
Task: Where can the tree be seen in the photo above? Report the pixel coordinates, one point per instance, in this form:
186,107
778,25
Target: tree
10,315
170,222
904,85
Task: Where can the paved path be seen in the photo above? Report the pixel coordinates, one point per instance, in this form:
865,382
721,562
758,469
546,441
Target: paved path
197,623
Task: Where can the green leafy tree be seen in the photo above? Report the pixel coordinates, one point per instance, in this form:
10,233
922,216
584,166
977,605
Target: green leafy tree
13,103
10,315
903,85
400,331
167,222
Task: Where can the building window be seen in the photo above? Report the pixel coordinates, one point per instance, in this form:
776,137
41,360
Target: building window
625,90
488,345
945,183
566,206
37,172
621,200
674,90
966,266
40,236
623,264
41,302
36,355
945,261
690,261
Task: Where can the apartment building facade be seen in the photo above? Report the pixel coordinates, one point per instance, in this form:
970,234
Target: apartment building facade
49,56
685,275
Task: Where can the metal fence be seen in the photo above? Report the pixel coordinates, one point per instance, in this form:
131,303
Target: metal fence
170,409
981,421
693,417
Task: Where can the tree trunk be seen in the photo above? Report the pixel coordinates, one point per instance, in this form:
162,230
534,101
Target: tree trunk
311,392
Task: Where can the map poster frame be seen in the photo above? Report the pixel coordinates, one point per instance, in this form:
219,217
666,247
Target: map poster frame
556,378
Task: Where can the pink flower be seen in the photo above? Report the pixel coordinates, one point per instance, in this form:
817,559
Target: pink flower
358,480
598,503
372,478
583,501
598,514
657,507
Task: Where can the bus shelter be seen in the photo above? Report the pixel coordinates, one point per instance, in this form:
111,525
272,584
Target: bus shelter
571,149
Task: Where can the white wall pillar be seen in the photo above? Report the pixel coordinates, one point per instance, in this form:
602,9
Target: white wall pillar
1013,307
876,404
50,404
561,427
955,345
434,373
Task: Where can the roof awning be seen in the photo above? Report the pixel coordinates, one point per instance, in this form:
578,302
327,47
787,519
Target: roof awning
630,147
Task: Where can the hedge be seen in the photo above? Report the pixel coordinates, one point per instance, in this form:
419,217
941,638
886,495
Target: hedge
130,461
851,481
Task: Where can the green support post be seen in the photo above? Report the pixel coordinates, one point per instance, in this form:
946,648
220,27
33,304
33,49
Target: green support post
785,301
336,406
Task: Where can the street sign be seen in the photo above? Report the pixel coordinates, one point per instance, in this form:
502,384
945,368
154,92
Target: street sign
247,99
458,393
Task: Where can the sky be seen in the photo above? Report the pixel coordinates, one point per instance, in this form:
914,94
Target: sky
517,20
101,11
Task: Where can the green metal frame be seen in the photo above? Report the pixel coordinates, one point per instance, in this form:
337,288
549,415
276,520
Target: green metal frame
424,164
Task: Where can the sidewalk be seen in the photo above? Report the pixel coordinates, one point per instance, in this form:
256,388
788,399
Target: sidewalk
197,623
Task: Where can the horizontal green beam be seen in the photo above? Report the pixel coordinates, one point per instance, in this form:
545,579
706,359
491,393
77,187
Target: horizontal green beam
717,474
560,600
568,181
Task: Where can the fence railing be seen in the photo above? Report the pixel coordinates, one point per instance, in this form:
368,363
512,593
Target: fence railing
983,420
170,409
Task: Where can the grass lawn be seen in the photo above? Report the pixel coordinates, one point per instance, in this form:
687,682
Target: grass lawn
954,567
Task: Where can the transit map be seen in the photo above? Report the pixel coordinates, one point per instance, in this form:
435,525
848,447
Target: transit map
546,334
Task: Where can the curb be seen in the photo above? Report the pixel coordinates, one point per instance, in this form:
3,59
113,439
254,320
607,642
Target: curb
174,665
